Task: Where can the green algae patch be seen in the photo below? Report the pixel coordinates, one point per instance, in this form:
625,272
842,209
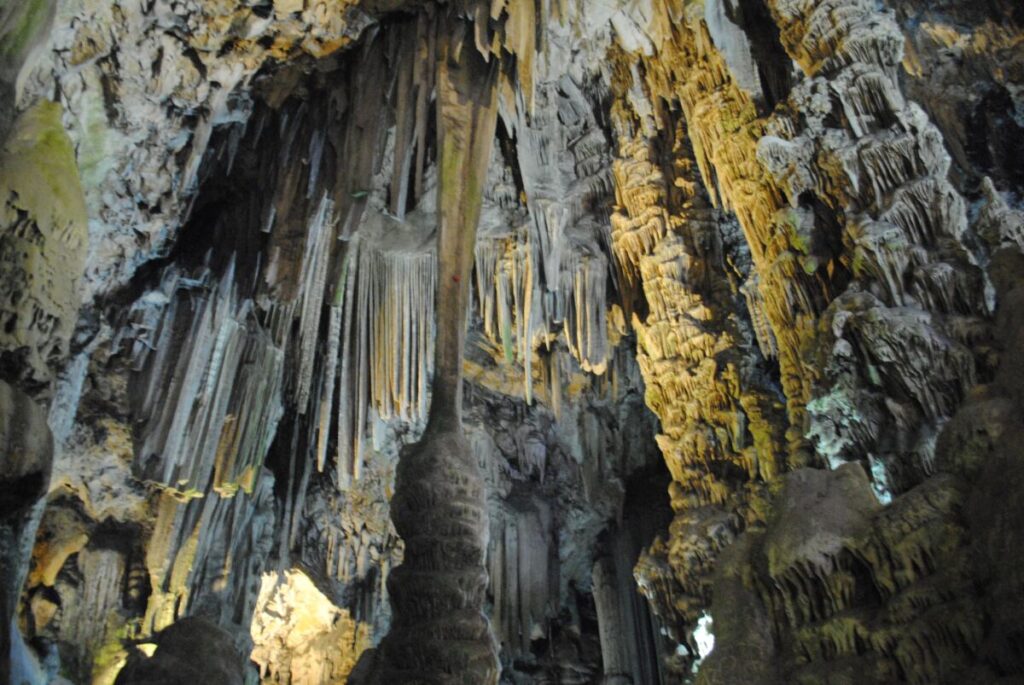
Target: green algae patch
24,24
43,241
38,164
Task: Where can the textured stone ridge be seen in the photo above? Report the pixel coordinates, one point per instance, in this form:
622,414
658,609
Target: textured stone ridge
27,453
42,249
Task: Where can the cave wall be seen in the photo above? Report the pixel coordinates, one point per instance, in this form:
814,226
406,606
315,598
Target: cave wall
773,245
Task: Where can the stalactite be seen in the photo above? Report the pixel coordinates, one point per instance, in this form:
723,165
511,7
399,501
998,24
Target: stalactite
388,351
346,389
759,318
319,238
104,573
584,285
330,372
208,414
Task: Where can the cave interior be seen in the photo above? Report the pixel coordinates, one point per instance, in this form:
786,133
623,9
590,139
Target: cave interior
480,342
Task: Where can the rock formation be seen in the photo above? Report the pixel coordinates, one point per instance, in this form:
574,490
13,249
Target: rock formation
440,633
28,459
519,341
192,649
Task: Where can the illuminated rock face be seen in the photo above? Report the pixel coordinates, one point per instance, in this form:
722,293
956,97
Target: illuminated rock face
300,636
407,305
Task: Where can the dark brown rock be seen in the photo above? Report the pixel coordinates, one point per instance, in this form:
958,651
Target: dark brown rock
190,651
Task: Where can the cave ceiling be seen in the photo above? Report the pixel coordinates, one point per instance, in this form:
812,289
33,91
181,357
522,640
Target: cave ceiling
635,342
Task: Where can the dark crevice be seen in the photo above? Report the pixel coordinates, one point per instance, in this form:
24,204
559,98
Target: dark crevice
774,68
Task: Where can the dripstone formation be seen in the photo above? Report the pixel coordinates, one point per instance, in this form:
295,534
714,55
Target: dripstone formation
511,341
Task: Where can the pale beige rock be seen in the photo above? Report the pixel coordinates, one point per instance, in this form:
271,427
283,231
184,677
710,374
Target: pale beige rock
300,637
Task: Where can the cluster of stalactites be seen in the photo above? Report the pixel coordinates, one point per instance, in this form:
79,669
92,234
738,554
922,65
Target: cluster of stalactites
375,357
520,570
384,318
824,574
685,342
194,543
551,276
506,293
516,27
875,159
210,386
519,316
720,418
208,394
843,187
723,128
352,555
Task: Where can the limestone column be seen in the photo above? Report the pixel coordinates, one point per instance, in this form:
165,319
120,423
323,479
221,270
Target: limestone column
43,236
440,633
